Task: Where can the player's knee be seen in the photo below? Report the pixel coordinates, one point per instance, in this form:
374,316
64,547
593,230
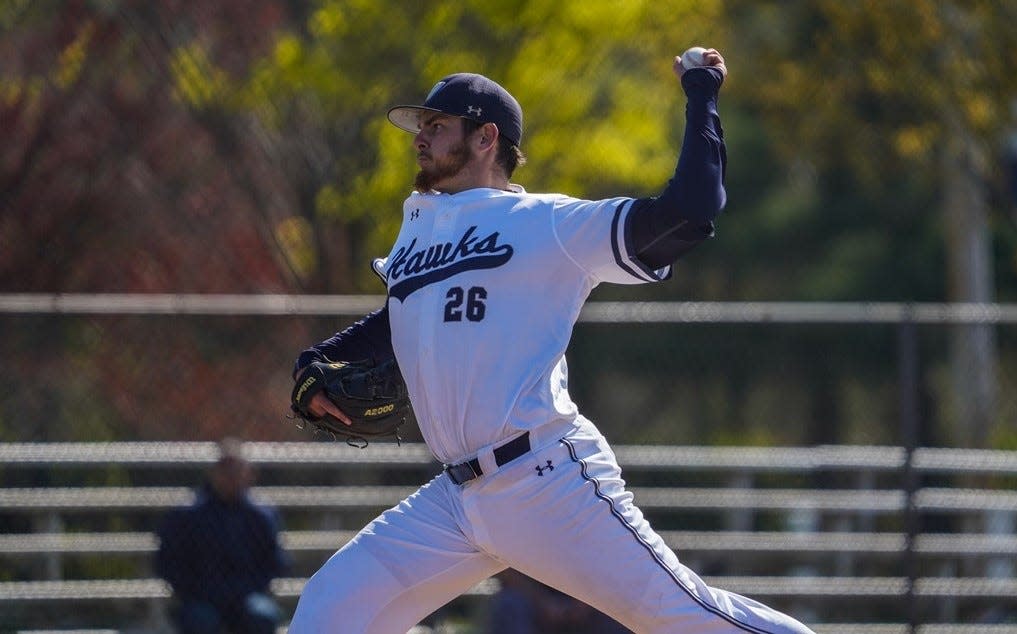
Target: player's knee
344,594
323,602
313,608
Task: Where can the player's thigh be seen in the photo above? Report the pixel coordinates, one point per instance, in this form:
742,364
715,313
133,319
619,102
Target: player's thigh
573,526
401,567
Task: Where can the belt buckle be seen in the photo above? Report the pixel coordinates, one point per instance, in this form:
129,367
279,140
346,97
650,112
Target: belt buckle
450,470
453,472
476,473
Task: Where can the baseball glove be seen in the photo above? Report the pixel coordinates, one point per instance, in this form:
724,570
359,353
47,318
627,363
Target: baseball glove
371,393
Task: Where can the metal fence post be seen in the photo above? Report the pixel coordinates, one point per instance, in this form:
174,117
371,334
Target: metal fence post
908,393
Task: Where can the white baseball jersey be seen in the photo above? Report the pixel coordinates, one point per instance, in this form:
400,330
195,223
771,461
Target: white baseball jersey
484,288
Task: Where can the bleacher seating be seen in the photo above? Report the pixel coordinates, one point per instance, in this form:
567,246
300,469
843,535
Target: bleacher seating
850,539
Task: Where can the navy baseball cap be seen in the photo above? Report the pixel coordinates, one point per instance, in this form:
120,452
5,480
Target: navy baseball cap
469,96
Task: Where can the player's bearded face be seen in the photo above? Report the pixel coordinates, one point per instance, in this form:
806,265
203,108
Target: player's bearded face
440,168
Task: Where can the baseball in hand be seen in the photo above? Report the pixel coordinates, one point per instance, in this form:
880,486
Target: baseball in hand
693,57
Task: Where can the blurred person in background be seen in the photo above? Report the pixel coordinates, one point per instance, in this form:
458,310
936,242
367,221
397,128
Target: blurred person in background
525,606
221,553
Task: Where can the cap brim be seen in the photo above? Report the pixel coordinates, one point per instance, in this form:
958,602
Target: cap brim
408,117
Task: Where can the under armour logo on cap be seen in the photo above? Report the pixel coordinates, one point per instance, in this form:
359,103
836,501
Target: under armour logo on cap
470,96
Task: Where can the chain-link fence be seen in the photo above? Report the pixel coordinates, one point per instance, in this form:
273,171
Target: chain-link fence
186,367
155,148
178,369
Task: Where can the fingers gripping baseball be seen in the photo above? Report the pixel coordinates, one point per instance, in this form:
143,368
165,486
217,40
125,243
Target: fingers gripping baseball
696,57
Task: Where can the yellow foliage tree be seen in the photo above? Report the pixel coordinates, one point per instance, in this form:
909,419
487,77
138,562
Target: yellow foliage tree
894,92
594,79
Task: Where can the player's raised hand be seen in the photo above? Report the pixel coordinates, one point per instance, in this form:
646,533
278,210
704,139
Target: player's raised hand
698,56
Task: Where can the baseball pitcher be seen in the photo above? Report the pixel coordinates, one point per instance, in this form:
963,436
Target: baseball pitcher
485,282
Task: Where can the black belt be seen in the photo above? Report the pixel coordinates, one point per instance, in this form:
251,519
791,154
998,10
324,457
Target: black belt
466,471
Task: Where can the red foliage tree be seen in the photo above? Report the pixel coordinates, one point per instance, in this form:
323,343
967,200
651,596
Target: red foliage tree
110,182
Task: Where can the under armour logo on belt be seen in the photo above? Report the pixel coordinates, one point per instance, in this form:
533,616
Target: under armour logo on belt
414,214
473,110
548,467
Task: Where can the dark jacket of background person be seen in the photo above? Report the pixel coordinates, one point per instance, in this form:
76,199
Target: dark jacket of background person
224,549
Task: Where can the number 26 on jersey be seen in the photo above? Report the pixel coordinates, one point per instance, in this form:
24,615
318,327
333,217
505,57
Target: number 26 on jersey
468,303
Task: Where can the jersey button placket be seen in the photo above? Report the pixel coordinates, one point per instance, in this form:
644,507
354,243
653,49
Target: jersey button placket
433,307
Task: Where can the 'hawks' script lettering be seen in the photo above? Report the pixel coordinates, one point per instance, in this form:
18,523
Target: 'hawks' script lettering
441,261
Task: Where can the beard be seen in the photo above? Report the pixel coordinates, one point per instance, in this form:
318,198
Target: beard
440,169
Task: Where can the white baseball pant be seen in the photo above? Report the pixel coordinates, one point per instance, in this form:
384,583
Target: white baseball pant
559,514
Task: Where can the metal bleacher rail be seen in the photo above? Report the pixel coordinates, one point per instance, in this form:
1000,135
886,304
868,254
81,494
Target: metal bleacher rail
748,493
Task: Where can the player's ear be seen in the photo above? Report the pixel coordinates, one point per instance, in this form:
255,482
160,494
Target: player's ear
488,136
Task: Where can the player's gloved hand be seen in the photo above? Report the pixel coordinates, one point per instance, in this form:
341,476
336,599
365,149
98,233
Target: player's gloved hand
320,406
352,400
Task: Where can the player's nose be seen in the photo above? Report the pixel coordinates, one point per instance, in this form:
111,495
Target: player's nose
419,141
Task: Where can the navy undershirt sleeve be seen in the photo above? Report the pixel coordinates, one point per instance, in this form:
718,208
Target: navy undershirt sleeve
665,227
370,337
